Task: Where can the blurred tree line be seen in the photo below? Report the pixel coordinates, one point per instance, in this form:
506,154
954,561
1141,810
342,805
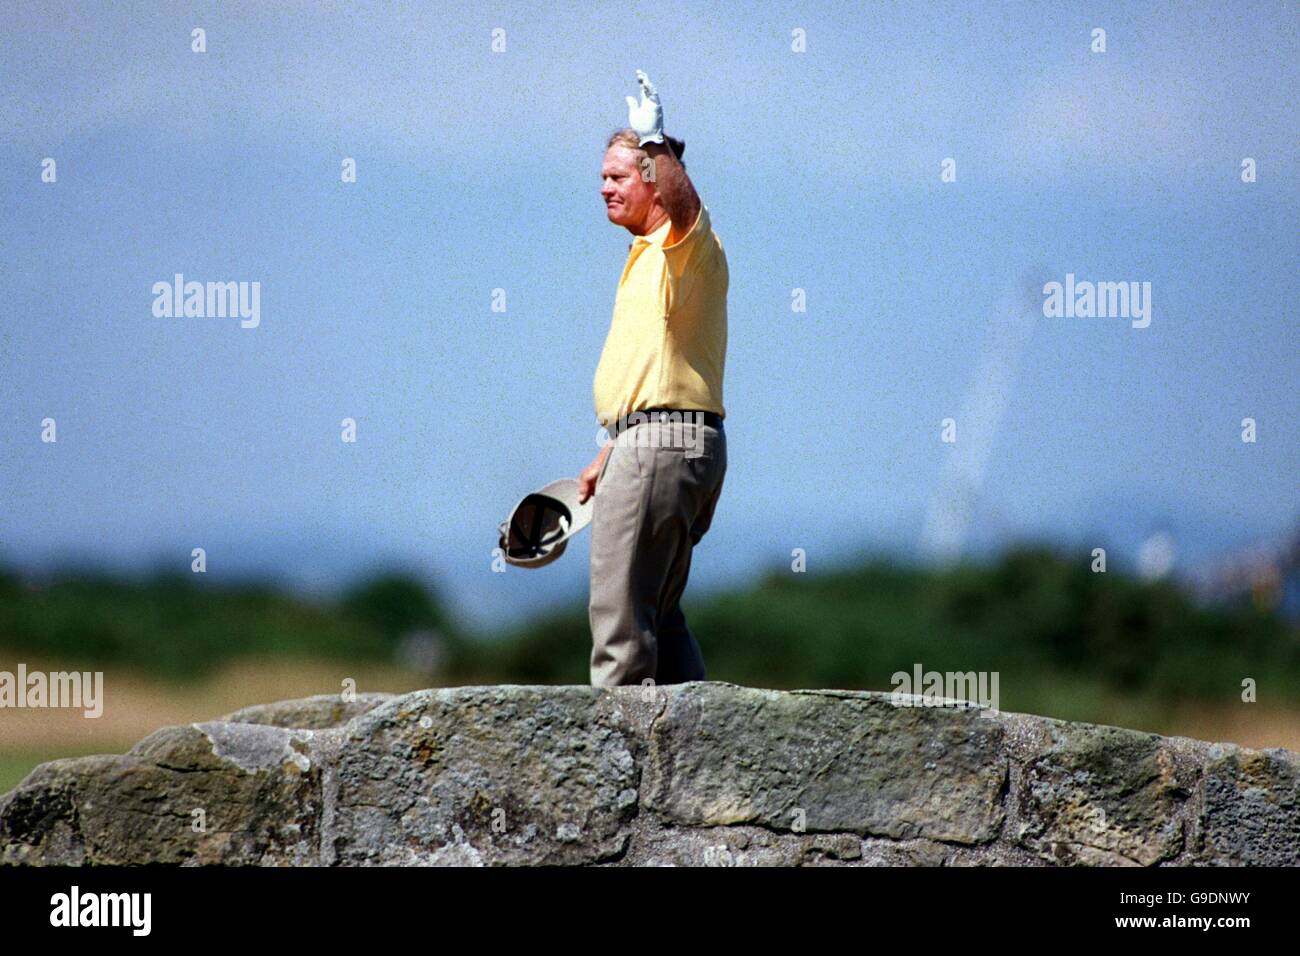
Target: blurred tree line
177,625
1037,617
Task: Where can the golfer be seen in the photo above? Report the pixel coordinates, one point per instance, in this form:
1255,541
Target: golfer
655,486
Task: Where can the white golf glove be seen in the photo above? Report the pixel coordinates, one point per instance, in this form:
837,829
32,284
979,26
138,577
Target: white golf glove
647,117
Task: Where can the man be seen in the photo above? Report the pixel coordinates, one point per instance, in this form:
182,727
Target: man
655,485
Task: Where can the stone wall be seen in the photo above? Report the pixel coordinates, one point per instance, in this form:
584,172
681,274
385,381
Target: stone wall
692,774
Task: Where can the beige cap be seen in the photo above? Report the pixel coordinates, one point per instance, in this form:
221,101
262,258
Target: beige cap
541,524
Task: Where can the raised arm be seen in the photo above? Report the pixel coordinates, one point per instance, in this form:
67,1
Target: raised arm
676,191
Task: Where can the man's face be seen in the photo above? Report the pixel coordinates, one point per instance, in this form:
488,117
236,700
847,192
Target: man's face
629,199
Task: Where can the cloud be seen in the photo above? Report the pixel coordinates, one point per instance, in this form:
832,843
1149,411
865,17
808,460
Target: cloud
417,78
1106,119
1191,106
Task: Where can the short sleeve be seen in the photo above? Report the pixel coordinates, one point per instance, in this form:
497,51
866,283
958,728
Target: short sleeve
690,246
688,260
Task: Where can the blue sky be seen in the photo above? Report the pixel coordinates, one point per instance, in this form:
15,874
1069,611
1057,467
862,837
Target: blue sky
479,170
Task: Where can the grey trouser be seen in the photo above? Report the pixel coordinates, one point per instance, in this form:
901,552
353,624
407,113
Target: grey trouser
654,501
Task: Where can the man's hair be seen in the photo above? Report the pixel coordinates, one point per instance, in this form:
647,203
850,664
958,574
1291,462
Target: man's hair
628,137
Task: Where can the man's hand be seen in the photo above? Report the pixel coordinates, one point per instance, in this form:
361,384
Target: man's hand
678,195
646,117
587,480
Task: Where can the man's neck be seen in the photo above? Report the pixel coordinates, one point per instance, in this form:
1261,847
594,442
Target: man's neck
657,219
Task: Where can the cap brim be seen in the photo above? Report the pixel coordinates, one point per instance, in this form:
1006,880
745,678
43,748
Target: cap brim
541,524
565,491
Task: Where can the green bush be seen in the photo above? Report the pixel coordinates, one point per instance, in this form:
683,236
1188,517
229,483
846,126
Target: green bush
177,626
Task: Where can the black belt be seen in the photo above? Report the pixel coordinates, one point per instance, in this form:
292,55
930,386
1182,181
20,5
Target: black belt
684,416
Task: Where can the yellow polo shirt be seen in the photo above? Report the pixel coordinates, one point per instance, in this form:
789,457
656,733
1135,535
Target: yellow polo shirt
667,342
